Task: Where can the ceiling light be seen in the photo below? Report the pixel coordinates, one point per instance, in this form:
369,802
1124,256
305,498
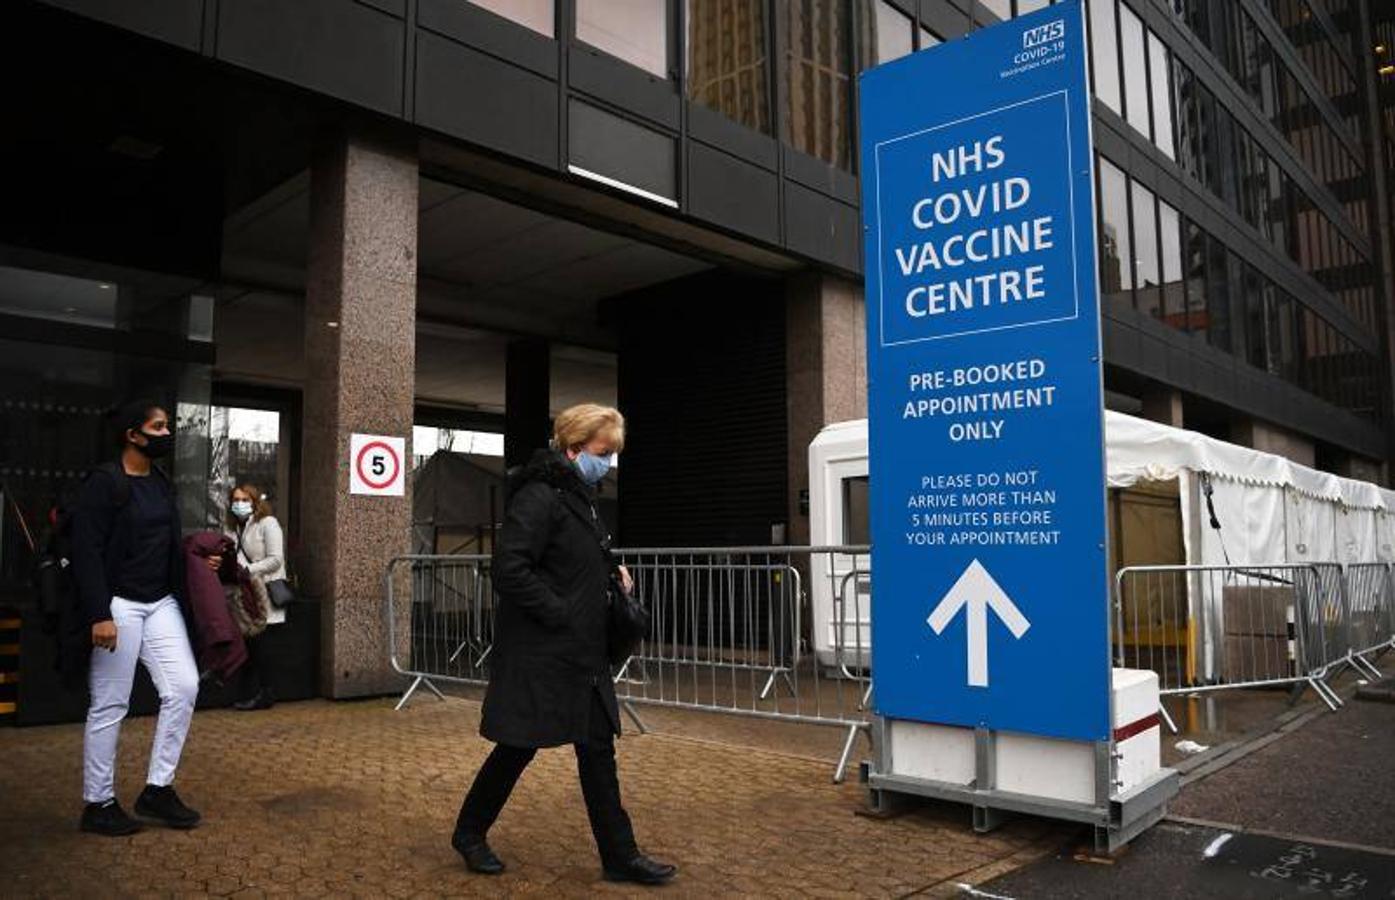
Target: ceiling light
104,286
70,309
332,324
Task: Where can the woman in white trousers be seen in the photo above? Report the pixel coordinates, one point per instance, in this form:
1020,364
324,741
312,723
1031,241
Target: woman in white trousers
128,569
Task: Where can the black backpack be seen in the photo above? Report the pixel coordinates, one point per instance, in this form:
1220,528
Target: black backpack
53,575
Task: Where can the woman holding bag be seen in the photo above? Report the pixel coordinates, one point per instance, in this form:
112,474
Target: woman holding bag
550,681
261,554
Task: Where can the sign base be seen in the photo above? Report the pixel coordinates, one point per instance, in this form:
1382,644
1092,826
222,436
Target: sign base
1117,786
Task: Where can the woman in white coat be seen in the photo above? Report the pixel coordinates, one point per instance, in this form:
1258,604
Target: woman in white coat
261,551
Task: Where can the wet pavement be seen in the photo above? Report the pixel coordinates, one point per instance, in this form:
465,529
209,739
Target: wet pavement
1310,813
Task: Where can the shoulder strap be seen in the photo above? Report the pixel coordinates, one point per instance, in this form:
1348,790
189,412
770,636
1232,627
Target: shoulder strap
602,540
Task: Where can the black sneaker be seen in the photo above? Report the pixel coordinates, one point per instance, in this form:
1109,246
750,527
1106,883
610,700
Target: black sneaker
163,805
108,819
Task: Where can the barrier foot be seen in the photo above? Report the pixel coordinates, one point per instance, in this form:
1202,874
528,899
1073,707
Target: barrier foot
1166,717
776,674
1326,694
840,773
629,709
1364,665
420,680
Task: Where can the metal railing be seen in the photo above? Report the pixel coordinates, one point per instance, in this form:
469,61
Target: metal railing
731,631
1211,628
783,633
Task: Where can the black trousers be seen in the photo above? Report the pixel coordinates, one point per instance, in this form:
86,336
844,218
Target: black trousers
253,678
600,786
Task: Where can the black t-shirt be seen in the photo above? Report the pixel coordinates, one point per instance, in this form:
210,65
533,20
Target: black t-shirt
145,572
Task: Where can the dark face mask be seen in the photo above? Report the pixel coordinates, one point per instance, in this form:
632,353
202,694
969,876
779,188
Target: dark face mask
157,446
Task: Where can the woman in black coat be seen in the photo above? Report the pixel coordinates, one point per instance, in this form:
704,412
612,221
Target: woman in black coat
550,682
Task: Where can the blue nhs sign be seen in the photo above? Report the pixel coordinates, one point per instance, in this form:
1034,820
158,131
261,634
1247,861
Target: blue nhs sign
986,423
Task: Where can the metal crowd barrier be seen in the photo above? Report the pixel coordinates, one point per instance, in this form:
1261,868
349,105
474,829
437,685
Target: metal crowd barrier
731,631
1212,628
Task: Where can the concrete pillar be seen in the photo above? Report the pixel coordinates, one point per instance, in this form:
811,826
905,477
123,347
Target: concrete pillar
527,390
826,368
1163,405
360,353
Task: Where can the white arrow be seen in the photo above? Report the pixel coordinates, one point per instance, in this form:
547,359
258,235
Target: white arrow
977,590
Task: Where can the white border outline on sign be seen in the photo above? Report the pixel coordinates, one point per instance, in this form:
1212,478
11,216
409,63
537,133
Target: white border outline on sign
396,465
1064,94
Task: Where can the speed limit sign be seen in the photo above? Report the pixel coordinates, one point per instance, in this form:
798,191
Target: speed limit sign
376,465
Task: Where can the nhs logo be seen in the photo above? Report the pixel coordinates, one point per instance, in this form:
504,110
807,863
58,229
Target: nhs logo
1042,34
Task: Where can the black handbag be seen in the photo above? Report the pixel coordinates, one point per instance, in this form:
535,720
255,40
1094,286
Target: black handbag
279,593
627,624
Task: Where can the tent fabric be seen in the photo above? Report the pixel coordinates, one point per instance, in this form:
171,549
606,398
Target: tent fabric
452,490
1141,450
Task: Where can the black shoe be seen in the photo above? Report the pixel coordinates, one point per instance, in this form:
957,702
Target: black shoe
478,857
164,805
642,870
260,700
108,819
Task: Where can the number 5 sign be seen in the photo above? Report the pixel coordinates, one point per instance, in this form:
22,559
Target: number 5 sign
376,465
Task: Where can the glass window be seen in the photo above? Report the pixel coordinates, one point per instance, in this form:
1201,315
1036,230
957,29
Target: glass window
1210,150
538,15
817,72
246,449
1000,8
857,517
727,59
928,38
1031,6
1188,138
1220,288
1174,288
1145,247
633,30
1104,38
1256,326
1226,134
1136,83
1161,82
892,34
1116,254
1196,278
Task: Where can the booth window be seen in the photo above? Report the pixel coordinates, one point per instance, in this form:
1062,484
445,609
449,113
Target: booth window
857,517
727,59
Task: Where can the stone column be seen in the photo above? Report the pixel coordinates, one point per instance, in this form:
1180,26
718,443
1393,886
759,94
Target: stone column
527,400
826,365
360,353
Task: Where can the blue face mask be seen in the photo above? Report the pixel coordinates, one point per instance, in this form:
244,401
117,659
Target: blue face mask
592,468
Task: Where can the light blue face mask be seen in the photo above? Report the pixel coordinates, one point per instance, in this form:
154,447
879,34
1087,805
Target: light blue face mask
592,468
241,508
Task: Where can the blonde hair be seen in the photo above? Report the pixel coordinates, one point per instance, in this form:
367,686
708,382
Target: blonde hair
583,423
261,507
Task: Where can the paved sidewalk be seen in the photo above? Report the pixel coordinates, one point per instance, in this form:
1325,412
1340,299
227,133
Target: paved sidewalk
353,799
